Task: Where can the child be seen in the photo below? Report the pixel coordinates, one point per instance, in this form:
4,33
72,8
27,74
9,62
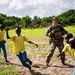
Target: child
2,42
67,46
70,47
19,48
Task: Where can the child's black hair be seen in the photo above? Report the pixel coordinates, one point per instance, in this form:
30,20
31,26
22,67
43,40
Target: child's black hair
17,28
72,42
1,26
68,36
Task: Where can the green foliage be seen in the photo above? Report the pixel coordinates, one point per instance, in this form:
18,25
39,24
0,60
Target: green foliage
2,18
66,19
35,22
45,21
25,21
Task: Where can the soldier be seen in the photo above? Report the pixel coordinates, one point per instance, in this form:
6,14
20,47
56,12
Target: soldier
55,33
2,42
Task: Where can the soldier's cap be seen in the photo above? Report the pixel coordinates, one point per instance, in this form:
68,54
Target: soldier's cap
55,18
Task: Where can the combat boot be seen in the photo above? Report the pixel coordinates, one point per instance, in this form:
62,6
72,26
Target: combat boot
47,64
63,62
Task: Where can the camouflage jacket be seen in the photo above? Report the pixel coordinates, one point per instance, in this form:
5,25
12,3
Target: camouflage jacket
58,34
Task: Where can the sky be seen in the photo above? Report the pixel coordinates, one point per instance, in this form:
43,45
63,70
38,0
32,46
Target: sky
40,8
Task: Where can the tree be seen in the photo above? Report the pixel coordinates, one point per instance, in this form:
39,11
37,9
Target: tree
2,18
25,21
8,23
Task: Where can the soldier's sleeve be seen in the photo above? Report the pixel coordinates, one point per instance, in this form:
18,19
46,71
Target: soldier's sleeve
63,30
48,33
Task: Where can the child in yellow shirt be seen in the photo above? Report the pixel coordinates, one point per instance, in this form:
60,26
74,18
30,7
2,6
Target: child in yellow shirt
2,42
19,47
70,47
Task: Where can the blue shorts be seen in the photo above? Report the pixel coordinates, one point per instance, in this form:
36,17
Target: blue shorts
2,46
24,60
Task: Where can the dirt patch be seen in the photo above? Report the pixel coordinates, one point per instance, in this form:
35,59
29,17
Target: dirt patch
38,57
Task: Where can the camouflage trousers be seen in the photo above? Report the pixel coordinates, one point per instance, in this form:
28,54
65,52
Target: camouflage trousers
52,48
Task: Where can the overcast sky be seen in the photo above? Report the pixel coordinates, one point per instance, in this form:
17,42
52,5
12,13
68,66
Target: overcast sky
40,8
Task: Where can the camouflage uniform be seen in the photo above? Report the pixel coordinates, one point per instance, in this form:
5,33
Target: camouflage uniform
56,40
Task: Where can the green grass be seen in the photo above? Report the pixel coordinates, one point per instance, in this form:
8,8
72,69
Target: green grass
32,34
39,34
7,70
71,29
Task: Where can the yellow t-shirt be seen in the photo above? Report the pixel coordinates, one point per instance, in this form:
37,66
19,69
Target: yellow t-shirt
2,35
18,43
71,51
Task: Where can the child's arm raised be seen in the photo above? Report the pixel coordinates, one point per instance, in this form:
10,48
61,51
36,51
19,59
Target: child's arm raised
7,35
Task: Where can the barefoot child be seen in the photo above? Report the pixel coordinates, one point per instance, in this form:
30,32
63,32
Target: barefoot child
2,42
19,48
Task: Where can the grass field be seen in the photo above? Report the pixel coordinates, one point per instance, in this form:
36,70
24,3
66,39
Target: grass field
36,54
33,34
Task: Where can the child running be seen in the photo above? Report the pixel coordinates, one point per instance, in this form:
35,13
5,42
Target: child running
67,47
70,47
19,47
2,42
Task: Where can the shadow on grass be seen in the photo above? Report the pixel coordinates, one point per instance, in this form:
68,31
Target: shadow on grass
33,72
38,65
63,66
60,66
37,73
15,64
10,63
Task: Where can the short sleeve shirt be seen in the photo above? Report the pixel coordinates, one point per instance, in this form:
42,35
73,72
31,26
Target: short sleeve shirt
18,43
71,51
2,35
